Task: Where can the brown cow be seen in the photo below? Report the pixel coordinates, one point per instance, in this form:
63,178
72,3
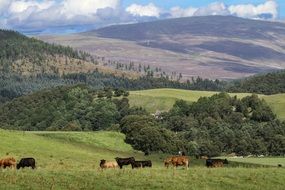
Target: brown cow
104,164
8,162
177,161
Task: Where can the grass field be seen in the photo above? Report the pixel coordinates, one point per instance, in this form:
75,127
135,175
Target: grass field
263,161
163,99
70,160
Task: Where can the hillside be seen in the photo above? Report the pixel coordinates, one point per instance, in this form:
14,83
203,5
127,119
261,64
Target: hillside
70,161
164,99
30,56
222,47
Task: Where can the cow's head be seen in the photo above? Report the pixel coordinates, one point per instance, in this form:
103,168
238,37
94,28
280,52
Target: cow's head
102,162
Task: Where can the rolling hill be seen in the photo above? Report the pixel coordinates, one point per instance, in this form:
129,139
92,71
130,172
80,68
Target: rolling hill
163,99
222,47
70,160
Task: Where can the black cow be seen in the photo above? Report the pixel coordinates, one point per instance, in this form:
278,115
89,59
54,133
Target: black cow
27,162
141,164
216,162
124,161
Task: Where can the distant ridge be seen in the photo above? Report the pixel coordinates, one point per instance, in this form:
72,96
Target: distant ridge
219,26
216,47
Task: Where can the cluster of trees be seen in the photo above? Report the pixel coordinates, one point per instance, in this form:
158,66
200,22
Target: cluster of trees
270,83
66,108
211,126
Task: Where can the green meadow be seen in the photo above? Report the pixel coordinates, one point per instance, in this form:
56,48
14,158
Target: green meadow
270,161
163,99
70,160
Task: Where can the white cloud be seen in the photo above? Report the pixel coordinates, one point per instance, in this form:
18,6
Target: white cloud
212,9
21,6
3,5
87,7
29,15
251,11
177,12
149,10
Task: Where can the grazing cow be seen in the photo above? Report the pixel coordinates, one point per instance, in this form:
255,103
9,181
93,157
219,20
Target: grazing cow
8,162
177,161
124,161
27,162
214,163
141,164
105,164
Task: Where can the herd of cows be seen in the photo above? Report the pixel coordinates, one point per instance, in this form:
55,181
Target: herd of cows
175,161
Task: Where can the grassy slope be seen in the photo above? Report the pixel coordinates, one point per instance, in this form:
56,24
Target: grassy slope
69,160
277,103
163,99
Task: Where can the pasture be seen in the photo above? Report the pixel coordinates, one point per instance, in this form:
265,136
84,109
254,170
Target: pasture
163,99
70,160
269,161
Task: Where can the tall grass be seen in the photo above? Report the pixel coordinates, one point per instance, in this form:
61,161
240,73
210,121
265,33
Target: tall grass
195,178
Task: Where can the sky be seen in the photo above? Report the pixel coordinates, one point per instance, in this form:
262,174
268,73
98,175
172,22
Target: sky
69,16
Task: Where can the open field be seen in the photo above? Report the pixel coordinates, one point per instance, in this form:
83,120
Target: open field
274,161
70,160
163,99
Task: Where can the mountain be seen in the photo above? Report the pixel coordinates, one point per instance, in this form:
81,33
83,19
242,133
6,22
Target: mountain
217,47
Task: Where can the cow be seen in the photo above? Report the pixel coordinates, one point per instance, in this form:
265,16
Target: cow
141,164
105,164
167,162
214,163
8,162
177,161
27,162
124,161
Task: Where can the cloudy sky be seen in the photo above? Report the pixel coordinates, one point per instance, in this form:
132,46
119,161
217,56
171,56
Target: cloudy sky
67,16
